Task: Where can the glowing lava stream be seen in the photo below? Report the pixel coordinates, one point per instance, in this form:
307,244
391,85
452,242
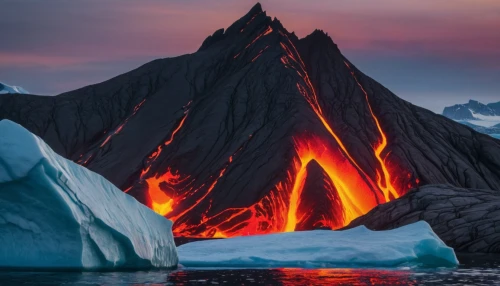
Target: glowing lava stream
120,127
388,188
313,100
83,161
343,175
281,209
293,205
278,210
268,31
344,190
161,203
152,158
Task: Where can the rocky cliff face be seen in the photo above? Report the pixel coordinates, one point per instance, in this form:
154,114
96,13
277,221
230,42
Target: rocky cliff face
466,219
257,132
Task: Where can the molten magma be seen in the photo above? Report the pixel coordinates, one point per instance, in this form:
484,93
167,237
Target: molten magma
355,194
120,127
349,191
160,202
84,160
250,21
384,185
266,32
388,188
310,95
278,211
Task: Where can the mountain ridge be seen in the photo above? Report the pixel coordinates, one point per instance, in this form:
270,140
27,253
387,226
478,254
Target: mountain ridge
468,110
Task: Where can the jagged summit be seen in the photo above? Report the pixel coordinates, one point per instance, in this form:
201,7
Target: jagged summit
243,136
254,22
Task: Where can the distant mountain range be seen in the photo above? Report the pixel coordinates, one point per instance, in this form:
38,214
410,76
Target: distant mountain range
484,118
4,89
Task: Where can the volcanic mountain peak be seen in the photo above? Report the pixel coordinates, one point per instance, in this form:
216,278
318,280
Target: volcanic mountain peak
255,24
243,136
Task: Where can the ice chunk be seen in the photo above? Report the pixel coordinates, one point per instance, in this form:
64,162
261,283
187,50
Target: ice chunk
57,214
414,245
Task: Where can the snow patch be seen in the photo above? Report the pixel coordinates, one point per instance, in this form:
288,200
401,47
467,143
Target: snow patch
484,120
414,245
57,214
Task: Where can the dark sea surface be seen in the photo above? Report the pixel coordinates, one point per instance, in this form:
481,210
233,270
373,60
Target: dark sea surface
475,270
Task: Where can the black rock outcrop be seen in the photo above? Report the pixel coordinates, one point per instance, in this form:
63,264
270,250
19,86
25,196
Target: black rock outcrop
466,219
217,140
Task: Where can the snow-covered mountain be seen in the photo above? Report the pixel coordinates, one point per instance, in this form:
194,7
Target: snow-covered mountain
4,88
484,118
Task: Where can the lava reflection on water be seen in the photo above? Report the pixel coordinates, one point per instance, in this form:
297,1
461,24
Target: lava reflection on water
293,276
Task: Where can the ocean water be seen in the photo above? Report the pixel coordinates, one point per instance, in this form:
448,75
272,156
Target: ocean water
496,136
475,270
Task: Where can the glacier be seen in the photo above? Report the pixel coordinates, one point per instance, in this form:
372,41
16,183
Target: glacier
414,245
57,214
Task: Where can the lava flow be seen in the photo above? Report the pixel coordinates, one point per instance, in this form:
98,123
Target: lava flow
388,188
85,160
278,210
346,190
120,127
268,31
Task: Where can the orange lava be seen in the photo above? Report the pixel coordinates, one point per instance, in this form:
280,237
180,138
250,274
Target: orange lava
356,195
278,211
387,186
284,208
268,31
120,127
259,54
161,203
250,21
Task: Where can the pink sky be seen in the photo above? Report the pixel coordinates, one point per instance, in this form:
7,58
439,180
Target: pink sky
56,35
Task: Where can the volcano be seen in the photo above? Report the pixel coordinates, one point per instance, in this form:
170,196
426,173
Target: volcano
257,132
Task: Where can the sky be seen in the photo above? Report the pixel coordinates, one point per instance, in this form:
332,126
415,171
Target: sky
433,53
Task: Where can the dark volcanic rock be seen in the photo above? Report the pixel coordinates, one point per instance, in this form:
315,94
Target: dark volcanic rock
318,198
215,140
486,130
466,219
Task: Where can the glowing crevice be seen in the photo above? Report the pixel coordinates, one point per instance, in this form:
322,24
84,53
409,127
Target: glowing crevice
120,127
387,188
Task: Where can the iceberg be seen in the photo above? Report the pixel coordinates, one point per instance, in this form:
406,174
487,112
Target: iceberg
57,214
414,245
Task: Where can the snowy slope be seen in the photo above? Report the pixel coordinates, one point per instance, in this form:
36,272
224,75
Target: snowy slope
411,245
57,214
484,120
11,89
476,114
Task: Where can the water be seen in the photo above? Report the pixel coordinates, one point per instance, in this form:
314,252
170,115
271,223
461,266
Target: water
475,271
496,135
